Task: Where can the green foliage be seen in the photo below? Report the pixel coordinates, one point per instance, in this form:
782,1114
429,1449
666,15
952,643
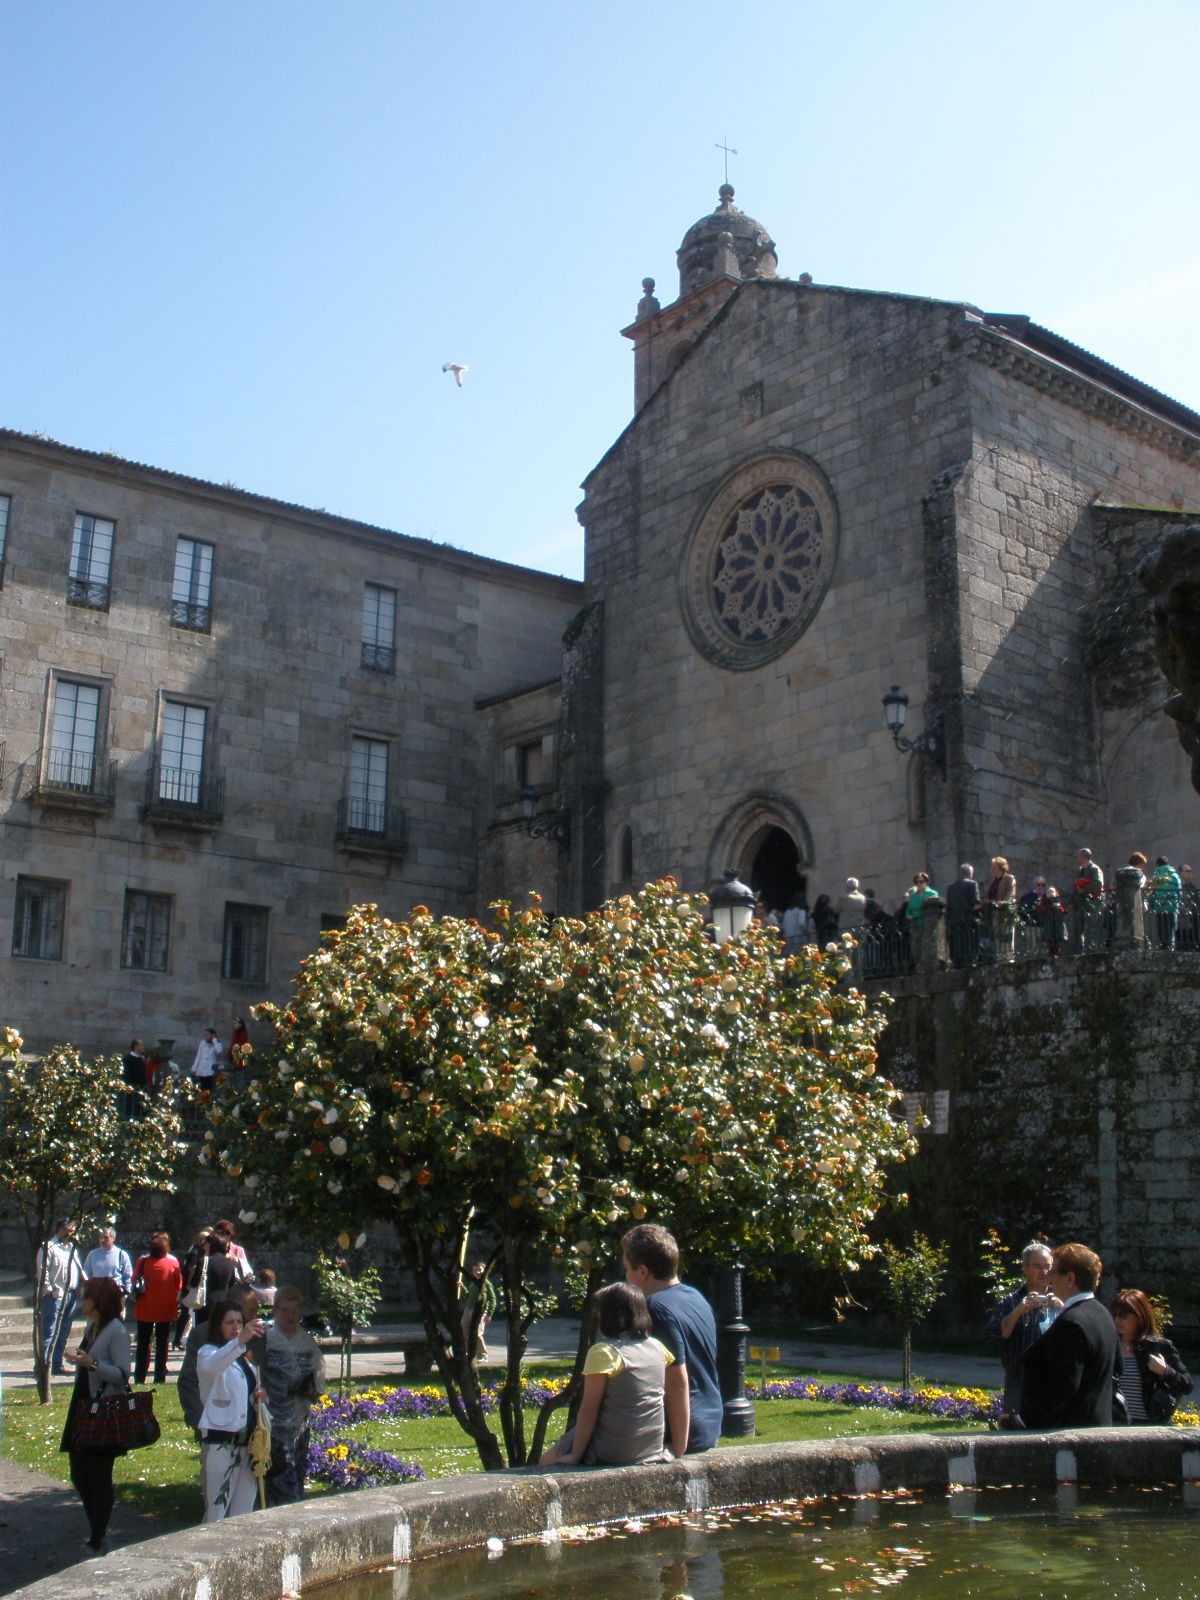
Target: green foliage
997,1264
66,1149
1161,1307
346,1302
914,1276
913,1279
564,1078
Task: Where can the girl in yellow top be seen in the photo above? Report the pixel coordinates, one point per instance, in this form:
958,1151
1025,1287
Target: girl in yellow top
621,1417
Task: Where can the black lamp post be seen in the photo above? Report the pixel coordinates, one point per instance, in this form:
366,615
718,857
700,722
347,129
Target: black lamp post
731,905
931,743
737,1414
554,825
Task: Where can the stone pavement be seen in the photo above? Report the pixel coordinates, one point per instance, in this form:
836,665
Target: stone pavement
41,1523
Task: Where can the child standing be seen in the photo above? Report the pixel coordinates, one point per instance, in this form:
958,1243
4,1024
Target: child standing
621,1417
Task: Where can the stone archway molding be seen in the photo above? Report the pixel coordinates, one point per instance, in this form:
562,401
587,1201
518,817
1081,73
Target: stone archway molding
740,830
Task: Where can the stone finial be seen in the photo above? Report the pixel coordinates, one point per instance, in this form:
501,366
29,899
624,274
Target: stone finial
725,197
648,306
805,278
1129,933
726,262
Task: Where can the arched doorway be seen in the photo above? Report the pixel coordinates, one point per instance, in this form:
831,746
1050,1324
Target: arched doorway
775,873
766,840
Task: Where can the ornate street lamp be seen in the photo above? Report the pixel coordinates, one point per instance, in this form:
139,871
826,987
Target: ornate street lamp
931,743
554,825
731,905
737,1413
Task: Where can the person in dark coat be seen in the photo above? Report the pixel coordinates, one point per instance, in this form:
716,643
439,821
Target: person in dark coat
1154,1375
962,917
1069,1375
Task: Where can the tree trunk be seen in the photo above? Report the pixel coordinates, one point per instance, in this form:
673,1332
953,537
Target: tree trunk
454,1363
906,1376
512,1411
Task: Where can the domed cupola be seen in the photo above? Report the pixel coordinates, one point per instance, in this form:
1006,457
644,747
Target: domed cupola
725,244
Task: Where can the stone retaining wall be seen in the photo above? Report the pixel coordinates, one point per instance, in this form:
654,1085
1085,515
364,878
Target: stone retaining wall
292,1549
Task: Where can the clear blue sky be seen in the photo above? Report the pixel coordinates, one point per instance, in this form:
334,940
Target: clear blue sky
241,239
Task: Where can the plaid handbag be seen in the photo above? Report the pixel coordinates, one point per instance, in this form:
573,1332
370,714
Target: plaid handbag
114,1421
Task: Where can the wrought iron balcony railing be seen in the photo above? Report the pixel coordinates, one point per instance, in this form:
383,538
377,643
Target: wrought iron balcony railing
87,592
379,657
371,827
191,614
74,778
174,794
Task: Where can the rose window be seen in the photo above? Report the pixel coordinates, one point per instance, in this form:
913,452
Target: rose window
759,560
768,563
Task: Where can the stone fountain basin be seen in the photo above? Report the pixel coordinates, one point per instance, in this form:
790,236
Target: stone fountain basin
292,1549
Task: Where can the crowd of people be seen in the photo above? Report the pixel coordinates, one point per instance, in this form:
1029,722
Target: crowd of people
983,919
1068,1362
246,1360
650,1389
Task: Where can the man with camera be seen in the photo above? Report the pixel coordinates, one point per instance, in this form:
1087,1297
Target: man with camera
1070,1374
1022,1317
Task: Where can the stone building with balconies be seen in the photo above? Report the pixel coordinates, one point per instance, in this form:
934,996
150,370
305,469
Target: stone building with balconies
226,720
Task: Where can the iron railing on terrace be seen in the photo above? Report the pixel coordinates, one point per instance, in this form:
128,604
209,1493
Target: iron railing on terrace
891,949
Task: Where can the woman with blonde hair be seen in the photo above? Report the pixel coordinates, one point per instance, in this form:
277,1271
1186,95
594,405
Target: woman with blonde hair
999,907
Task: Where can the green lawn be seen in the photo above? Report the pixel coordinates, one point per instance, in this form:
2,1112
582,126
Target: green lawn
164,1480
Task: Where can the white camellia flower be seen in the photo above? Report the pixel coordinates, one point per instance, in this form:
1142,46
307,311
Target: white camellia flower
247,1216
331,1115
386,1182
360,1241
334,1186
338,1146
250,1181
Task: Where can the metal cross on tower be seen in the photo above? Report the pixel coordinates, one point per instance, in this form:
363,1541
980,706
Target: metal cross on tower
729,151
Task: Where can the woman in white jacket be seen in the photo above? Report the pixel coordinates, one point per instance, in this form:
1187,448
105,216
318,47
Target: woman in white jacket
229,1385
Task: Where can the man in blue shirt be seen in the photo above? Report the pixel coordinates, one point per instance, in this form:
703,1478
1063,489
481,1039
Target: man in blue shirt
108,1260
682,1319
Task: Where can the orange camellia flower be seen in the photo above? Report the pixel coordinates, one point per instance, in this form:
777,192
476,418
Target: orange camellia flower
424,1176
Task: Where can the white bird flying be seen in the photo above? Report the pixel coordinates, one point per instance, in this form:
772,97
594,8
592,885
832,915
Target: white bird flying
457,368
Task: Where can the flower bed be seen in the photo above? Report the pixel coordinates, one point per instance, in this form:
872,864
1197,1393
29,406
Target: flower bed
337,1459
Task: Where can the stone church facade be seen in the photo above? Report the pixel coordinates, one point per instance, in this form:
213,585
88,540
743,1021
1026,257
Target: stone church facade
825,492
227,719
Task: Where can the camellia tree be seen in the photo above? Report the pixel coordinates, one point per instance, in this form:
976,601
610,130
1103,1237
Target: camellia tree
549,1082
65,1149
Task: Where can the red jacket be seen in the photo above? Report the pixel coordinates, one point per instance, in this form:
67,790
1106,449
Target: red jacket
164,1282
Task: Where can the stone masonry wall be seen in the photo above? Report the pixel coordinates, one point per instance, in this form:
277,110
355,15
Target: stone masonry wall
1068,1108
1041,771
